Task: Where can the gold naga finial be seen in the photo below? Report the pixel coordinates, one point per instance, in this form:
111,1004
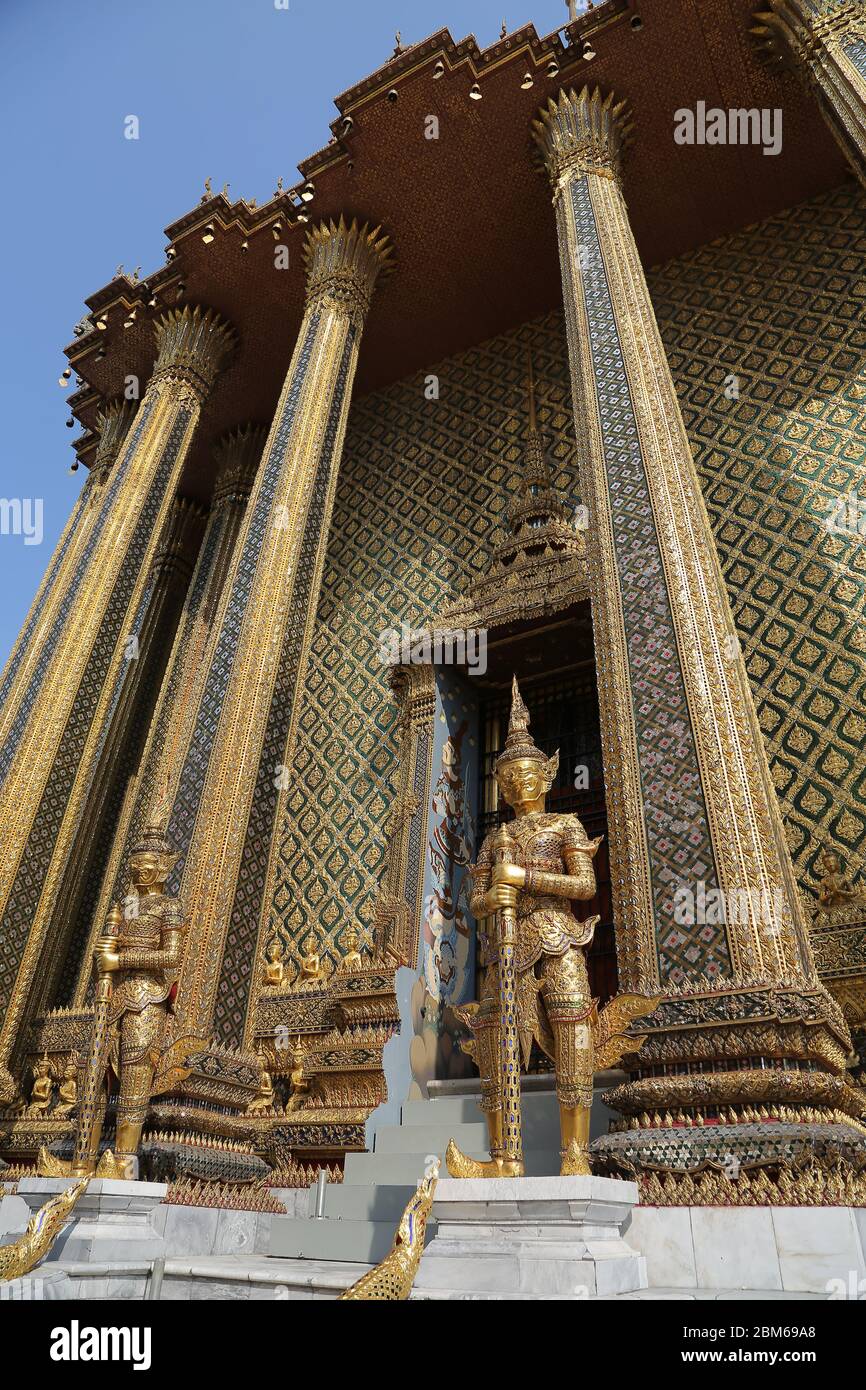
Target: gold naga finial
392,1280
43,1229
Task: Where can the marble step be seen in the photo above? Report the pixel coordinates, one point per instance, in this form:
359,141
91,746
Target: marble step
366,1202
461,1110
409,1167
362,1242
434,1137
539,1117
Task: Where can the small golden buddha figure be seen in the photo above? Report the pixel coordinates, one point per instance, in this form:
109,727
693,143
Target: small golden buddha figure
311,963
68,1092
43,1089
264,1101
835,889
351,955
553,868
300,1085
275,970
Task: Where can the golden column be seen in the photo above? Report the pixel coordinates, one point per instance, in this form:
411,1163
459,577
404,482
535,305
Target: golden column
29,651
173,565
705,902
237,457
823,42
224,799
66,703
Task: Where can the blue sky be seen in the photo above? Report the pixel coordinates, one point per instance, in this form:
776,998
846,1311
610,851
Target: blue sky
234,89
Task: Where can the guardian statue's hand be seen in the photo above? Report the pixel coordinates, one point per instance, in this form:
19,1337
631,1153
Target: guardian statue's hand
502,895
510,874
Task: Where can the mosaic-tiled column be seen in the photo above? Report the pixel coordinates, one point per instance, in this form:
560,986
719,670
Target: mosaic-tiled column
239,751
120,752
51,757
236,457
823,42
29,651
705,903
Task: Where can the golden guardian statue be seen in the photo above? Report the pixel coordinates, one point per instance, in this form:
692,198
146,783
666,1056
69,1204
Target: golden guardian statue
535,983
136,959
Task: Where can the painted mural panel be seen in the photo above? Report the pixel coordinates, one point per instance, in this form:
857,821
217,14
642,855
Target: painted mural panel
446,955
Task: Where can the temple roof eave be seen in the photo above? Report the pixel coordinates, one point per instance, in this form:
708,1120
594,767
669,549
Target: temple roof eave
218,251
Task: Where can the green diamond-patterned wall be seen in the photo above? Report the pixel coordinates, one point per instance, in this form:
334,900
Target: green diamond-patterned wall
420,481
782,307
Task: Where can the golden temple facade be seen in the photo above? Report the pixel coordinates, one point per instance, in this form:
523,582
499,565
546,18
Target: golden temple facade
542,368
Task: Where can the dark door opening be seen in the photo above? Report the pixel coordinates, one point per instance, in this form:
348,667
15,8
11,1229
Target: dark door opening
555,668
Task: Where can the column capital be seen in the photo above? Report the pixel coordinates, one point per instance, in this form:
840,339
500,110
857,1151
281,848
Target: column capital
237,456
343,262
178,544
583,132
823,43
192,347
792,33
113,422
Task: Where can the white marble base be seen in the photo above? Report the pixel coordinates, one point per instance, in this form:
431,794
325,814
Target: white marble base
819,1250
529,1237
44,1285
110,1223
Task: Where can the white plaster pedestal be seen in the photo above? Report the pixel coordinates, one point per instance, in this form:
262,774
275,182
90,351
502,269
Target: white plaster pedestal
110,1223
531,1237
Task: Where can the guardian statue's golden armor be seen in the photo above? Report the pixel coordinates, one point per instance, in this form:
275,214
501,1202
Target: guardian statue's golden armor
552,867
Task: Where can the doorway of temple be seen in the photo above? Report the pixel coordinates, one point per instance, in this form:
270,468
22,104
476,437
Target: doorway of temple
555,667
